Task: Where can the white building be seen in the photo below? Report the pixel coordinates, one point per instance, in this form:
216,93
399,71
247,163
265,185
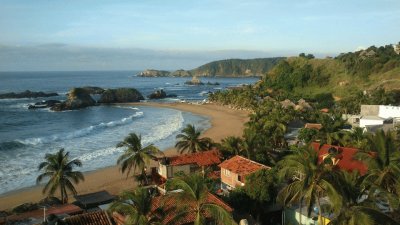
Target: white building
378,114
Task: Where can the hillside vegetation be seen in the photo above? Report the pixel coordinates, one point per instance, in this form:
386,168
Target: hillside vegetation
237,67
370,76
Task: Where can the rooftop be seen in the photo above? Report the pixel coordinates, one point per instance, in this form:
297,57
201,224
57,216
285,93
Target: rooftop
94,199
344,155
316,126
92,218
191,215
241,165
205,158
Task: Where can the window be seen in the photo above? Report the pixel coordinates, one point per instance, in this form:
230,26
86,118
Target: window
227,173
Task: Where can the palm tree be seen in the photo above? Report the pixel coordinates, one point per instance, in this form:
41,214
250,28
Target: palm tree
311,180
59,169
193,198
135,155
355,209
383,161
137,208
190,141
232,146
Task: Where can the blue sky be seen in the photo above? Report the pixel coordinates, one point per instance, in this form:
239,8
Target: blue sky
185,33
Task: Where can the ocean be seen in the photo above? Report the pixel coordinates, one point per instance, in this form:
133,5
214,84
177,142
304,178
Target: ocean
88,134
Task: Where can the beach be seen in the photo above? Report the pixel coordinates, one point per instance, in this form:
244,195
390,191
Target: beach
224,122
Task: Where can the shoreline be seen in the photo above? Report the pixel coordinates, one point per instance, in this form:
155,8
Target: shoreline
224,122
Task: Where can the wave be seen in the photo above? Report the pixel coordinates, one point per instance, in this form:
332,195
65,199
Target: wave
165,129
10,145
79,133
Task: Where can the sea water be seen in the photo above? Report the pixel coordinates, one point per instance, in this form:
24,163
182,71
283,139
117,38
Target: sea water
89,134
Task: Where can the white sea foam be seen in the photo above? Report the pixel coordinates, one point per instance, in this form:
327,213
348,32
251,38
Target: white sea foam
165,129
79,133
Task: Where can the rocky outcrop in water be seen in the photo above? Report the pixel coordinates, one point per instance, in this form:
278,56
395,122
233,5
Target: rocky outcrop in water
194,81
27,94
44,104
159,94
181,73
121,95
78,98
93,90
154,73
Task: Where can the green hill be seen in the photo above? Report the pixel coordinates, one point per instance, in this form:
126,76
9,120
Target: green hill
342,76
237,67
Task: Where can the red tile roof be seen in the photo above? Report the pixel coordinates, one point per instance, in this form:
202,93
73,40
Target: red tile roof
205,158
191,215
92,218
316,126
241,165
345,156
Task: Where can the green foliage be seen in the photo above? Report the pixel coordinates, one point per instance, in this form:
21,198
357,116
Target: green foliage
245,97
237,67
59,169
262,185
307,135
189,140
136,156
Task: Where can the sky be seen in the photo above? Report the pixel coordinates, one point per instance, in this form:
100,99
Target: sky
174,34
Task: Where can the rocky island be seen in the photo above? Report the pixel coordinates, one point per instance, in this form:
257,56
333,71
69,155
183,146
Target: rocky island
27,94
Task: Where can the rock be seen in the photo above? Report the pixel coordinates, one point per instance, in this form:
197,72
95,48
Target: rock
209,83
154,73
44,104
93,90
158,94
27,94
181,73
77,98
26,207
121,95
194,81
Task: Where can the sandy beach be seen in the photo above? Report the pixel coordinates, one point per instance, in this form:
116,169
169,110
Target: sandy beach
224,122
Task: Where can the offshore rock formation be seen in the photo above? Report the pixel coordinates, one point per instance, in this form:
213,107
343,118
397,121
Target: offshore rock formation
27,94
77,98
121,95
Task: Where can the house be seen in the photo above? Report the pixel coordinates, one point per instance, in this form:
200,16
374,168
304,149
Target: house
235,170
343,157
378,114
187,163
93,200
315,126
297,215
169,204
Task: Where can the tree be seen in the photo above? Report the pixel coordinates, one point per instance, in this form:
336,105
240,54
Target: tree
232,146
355,209
194,198
310,180
137,208
189,140
59,169
135,155
383,161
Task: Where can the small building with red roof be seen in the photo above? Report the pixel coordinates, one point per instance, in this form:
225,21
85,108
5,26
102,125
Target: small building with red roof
315,126
343,157
235,170
187,163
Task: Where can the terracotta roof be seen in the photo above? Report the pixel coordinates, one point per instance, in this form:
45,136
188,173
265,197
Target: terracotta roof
56,210
324,110
206,158
92,218
191,215
345,157
241,165
316,126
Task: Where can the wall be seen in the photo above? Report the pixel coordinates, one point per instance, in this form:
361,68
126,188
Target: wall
387,111
364,122
231,180
291,216
369,110
167,171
